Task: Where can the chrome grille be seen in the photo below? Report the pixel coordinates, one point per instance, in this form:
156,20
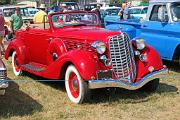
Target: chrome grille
122,58
3,75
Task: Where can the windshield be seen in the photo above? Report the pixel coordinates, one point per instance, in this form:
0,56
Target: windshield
72,7
175,11
8,12
74,19
138,11
112,11
24,12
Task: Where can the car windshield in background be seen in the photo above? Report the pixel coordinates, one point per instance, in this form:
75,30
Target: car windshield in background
138,11
74,19
175,11
72,7
24,12
112,11
8,12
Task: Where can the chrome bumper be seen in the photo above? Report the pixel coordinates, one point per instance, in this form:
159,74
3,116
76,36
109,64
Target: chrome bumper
93,84
3,84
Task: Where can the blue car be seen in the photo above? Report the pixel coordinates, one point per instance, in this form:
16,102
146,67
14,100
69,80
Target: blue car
161,29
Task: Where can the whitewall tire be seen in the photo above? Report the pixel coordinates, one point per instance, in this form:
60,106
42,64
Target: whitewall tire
15,64
77,89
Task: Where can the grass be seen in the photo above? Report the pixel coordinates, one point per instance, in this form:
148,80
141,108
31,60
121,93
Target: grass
34,100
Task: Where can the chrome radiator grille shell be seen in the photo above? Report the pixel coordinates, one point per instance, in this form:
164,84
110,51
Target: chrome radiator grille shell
122,58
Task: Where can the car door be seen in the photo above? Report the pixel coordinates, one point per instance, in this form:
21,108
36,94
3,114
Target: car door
153,30
37,40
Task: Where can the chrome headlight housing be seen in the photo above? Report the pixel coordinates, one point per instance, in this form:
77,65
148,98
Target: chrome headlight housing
99,46
140,44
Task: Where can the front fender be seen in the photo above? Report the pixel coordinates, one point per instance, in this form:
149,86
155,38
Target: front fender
153,60
21,50
86,63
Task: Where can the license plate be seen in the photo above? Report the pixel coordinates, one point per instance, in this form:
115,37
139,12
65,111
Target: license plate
104,74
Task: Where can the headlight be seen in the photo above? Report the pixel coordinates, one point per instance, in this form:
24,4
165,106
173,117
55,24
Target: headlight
99,46
140,44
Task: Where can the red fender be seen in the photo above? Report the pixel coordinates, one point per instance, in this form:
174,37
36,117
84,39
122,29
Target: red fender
56,46
21,50
153,59
85,62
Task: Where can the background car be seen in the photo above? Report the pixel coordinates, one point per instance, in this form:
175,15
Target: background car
91,6
32,11
108,11
9,10
138,12
70,5
3,77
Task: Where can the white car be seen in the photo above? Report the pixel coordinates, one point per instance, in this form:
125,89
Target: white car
110,11
10,9
138,12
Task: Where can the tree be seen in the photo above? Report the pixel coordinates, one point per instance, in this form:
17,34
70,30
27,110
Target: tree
4,2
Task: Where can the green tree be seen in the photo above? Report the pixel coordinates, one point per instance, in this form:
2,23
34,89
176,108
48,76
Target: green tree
4,2
144,3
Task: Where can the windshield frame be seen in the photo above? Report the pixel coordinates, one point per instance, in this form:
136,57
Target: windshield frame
73,12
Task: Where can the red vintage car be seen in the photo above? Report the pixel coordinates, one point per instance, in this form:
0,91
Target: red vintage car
72,46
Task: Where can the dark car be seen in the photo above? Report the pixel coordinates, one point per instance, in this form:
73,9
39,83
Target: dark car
89,7
3,78
70,5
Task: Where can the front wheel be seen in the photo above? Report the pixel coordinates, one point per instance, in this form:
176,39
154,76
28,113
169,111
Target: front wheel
15,64
77,89
150,86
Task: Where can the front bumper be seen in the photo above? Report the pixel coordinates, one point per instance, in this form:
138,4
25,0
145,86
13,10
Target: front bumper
93,84
3,84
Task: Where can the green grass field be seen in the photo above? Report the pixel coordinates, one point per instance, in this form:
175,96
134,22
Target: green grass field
33,100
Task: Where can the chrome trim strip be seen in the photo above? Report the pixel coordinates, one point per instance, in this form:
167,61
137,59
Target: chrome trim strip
3,69
93,84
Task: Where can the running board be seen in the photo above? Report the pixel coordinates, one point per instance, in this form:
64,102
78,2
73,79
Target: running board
34,67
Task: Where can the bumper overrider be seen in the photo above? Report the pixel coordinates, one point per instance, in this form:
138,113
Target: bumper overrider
3,84
93,84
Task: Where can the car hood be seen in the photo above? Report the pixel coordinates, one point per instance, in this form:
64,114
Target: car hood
86,33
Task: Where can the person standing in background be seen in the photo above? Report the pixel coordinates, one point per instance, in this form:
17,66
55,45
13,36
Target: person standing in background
124,12
40,17
16,21
97,10
63,8
2,32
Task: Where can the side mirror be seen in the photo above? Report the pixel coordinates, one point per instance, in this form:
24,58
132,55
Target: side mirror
162,14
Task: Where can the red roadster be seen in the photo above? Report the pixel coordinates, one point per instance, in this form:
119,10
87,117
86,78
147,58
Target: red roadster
72,46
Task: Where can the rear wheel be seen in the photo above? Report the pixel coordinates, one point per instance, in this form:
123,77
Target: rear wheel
151,86
15,64
77,89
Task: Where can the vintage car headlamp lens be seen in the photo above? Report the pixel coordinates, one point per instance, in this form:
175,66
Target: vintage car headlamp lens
99,46
140,44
